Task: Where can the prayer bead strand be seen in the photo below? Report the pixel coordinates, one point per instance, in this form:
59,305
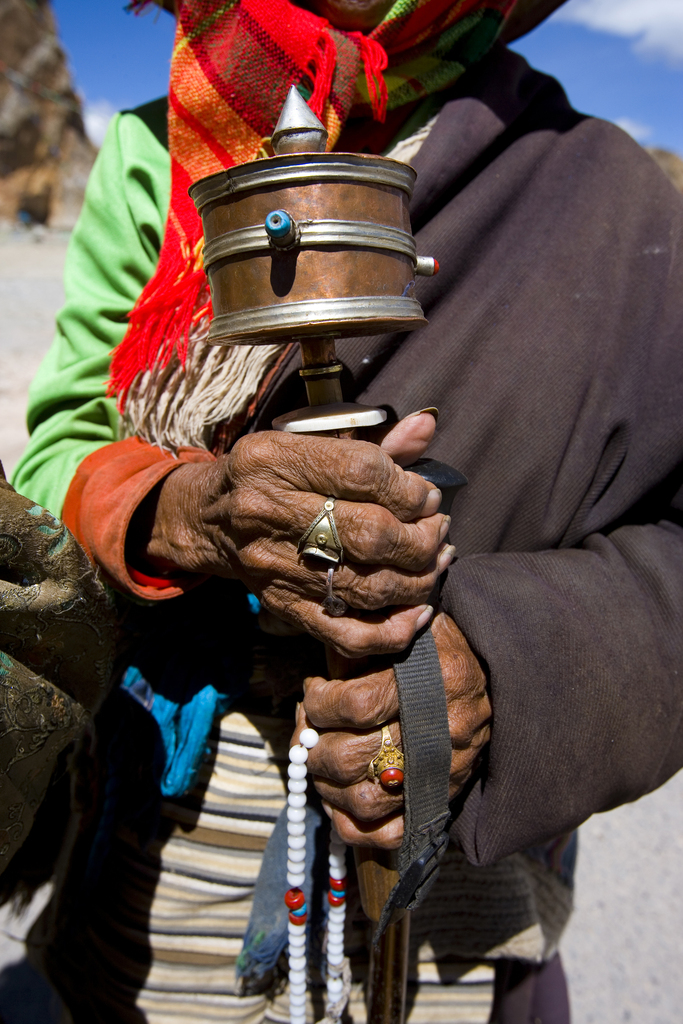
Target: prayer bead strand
336,918
295,899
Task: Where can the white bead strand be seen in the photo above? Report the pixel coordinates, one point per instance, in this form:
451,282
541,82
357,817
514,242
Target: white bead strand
296,901
296,874
336,919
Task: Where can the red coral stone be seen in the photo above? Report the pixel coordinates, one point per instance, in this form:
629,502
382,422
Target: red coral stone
391,778
294,899
298,920
338,883
336,899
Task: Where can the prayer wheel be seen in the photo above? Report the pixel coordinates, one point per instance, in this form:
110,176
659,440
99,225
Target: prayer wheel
311,246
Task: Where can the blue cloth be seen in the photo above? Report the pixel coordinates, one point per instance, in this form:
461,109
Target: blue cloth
193,662
184,723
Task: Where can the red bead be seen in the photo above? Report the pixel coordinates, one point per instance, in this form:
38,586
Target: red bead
294,899
436,266
391,778
298,920
336,899
338,883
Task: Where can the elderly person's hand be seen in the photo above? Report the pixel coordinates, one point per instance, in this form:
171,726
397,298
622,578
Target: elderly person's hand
348,714
243,516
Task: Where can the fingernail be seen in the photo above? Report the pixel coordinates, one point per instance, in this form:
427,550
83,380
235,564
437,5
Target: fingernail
431,409
445,526
424,616
432,502
445,558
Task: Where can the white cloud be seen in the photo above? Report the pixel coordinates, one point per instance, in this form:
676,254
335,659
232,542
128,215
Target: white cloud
656,26
96,117
640,132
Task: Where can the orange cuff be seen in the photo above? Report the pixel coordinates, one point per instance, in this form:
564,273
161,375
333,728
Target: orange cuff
105,492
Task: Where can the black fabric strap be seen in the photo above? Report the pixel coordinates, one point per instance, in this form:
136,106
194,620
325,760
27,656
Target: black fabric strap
427,752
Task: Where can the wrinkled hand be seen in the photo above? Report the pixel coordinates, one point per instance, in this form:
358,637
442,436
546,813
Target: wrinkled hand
243,516
363,812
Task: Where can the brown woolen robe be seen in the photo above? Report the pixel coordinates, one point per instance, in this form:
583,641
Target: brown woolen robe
554,352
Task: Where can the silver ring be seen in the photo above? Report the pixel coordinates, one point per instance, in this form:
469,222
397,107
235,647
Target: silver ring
331,605
321,539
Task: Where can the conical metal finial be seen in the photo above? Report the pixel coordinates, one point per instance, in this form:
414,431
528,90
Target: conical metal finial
298,130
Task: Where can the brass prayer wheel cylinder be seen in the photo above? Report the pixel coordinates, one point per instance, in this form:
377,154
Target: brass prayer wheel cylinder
307,245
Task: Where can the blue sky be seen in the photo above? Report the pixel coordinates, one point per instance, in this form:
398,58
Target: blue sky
118,59
631,74
618,59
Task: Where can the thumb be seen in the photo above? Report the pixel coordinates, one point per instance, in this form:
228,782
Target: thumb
408,439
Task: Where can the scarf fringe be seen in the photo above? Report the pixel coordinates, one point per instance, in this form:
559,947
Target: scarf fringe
204,403
161,320
375,61
322,72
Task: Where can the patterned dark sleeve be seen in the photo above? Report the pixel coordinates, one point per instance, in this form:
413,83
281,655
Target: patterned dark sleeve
57,640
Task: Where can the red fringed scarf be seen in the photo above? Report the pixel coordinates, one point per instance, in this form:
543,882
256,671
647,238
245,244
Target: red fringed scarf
232,66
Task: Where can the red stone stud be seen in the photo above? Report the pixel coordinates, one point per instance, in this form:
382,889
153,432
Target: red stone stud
436,266
336,899
294,899
391,778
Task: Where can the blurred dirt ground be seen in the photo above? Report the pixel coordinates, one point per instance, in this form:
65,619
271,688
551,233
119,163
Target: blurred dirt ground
31,263
623,950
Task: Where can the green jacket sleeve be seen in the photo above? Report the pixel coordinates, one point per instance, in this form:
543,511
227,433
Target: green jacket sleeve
112,254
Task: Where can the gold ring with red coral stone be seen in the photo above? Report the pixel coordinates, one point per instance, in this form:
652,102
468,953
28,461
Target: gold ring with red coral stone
388,766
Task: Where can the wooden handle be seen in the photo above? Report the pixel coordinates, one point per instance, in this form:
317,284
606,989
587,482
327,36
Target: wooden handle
388,977
377,876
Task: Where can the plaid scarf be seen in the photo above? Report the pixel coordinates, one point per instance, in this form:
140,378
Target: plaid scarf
232,66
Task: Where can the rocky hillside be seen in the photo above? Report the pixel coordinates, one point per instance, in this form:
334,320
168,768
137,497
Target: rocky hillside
45,156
